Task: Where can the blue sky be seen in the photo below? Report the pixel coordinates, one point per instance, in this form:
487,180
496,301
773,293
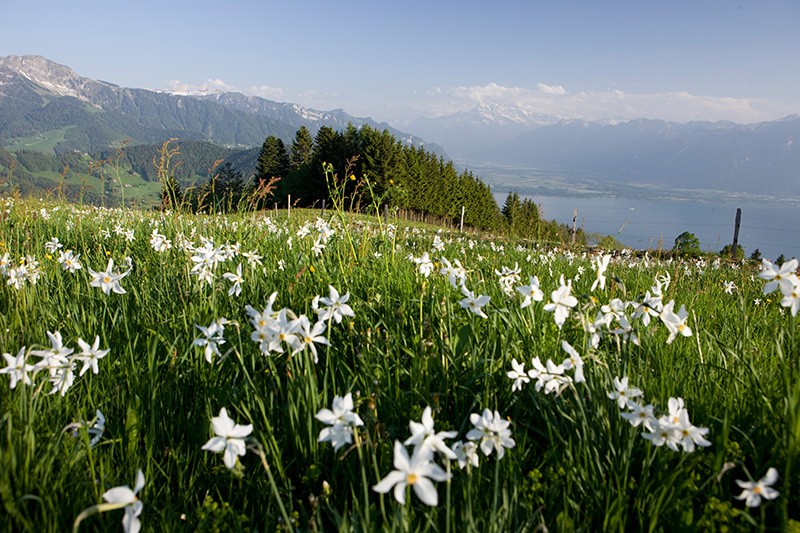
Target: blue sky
395,61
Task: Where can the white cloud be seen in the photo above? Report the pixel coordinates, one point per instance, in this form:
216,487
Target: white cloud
266,91
208,86
679,106
551,89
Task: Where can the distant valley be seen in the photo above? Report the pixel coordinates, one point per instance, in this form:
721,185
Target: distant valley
48,107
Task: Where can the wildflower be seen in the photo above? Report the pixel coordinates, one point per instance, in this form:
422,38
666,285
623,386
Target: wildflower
466,453
125,497
550,376
690,434
791,297
728,287
777,278
90,355
625,329
640,415
283,331
309,336
423,436
55,357
530,292
600,270
337,307
69,262
417,471
229,438
211,339
676,323
53,245
508,277
159,242
17,368
753,492
109,280
237,279
342,420
518,374
573,361
622,393
253,259
492,431
472,302
456,275
424,264
664,433
95,427
562,302
650,306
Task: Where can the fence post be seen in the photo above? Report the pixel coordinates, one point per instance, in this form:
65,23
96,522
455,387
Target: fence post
574,221
736,233
461,224
323,209
288,206
386,214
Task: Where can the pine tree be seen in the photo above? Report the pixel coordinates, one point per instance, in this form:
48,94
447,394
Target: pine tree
302,149
273,161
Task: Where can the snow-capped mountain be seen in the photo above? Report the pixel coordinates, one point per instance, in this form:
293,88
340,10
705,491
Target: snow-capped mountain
463,132
39,96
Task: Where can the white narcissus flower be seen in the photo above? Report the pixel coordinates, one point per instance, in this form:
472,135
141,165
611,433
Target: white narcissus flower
472,302
236,279
753,491
212,338
124,496
518,374
309,336
622,393
90,355
342,420
423,435
417,471
783,278
676,323
337,307
229,438
17,368
109,280
531,292
492,431
562,302
601,264
574,361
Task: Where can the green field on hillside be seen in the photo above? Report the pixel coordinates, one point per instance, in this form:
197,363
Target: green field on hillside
259,372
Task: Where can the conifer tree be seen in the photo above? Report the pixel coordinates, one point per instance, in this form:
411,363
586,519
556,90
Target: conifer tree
273,161
302,149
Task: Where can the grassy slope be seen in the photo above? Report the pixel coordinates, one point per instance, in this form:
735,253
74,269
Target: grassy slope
576,463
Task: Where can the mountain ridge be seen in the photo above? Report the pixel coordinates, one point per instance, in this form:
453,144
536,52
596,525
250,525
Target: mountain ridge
29,84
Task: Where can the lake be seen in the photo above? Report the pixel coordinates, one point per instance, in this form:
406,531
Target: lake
771,226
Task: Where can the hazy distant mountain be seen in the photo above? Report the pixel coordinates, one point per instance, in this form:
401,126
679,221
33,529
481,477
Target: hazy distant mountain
465,132
43,99
759,158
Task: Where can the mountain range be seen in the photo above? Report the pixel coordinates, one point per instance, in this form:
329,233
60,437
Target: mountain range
40,98
47,104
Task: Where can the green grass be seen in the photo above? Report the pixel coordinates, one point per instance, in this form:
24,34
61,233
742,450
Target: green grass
577,464
45,142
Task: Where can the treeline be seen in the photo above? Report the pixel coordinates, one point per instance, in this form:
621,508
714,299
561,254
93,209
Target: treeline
385,171
523,219
196,159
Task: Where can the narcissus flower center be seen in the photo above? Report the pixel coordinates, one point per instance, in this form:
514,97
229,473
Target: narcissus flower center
411,479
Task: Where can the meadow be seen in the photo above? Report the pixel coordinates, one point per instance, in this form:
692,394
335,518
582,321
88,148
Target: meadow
259,372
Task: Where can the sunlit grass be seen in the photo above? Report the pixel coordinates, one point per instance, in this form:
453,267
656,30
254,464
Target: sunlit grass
575,462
